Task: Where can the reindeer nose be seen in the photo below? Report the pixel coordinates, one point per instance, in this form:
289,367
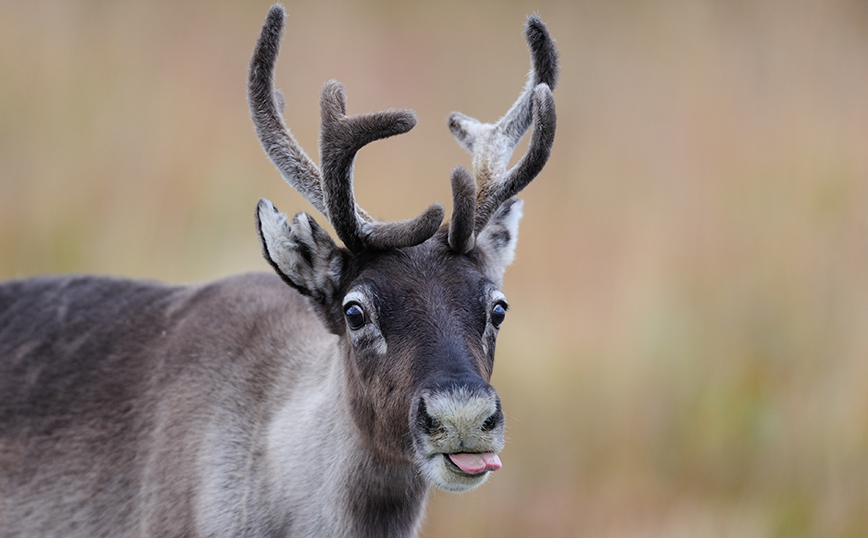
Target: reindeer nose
460,413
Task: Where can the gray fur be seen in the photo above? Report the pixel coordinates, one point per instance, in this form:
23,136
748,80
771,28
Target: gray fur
303,255
496,243
325,401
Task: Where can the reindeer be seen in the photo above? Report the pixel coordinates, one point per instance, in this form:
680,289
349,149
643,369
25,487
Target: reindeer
324,401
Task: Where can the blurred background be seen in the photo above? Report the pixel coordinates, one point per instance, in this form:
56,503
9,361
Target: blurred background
683,355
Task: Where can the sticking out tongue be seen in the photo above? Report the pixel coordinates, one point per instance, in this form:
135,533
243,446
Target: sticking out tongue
476,463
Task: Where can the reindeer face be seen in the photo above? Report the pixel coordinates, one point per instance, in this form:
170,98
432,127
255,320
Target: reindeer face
421,325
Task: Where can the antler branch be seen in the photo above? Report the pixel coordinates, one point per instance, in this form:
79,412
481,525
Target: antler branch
329,189
266,106
341,138
492,144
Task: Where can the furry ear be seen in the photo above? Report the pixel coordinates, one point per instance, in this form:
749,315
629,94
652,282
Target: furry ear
496,241
305,257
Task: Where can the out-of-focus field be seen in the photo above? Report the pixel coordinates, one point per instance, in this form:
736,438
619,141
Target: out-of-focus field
686,353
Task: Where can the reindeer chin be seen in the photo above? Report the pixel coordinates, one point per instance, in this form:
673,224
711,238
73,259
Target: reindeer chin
446,475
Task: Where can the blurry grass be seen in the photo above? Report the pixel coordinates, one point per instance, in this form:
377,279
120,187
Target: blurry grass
685,353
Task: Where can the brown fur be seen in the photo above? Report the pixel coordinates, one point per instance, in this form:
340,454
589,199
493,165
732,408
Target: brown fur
246,407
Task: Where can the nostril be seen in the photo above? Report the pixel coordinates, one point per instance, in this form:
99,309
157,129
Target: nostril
492,422
425,420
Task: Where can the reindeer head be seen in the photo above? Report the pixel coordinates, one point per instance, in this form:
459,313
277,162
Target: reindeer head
416,305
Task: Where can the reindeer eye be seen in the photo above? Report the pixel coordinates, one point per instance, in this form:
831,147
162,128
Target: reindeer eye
355,317
498,313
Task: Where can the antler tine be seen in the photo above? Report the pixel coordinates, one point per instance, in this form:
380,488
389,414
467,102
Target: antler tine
461,238
266,106
492,144
341,138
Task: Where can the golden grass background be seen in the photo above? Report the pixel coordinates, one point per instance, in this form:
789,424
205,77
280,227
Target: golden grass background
687,348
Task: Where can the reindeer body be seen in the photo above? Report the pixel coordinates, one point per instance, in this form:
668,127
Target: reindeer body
212,410
325,400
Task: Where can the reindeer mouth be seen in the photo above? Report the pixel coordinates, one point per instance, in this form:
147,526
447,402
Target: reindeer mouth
469,463
456,440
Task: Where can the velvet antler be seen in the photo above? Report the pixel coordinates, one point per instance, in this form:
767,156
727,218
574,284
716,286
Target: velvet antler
492,144
330,189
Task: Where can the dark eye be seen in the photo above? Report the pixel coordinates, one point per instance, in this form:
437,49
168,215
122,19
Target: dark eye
498,313
355,316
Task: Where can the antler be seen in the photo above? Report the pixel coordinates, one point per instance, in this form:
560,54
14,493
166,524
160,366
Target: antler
492,144
329,190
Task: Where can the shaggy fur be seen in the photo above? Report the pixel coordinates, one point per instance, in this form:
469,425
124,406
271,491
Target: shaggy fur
325,401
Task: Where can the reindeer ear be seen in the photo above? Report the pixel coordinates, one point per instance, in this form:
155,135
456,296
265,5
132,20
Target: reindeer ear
496,241
303,255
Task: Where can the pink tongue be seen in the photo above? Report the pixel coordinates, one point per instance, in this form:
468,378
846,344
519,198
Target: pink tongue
476,463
